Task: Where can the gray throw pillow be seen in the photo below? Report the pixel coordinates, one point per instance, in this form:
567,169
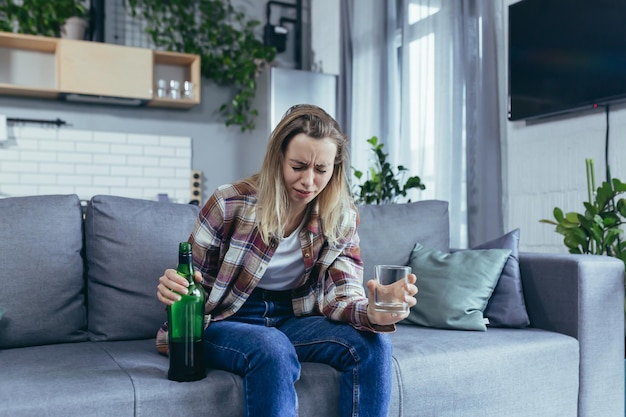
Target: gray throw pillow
43,287
129,243
454,287
506,307
389,232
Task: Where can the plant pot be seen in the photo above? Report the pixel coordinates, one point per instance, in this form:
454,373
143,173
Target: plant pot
74,28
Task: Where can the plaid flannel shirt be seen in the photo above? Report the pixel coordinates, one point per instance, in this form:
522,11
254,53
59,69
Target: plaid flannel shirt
231,256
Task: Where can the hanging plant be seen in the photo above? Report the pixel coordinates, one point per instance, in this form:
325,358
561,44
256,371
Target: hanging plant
230,52
383,184
38,17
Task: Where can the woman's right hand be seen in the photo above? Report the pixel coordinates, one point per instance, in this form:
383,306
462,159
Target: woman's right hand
171,285
407,289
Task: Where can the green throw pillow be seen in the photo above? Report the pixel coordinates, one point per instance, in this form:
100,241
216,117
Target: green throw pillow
454,288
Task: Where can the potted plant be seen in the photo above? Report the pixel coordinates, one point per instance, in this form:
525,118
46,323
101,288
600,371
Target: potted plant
230,51
383,185
39,17
74,28
597,230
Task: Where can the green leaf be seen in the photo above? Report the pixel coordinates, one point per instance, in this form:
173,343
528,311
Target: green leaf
596,233
619,186
591,209
604,194
575,237
414,182
611,236
609,220
373,141
558,214
571,241
572,217
621,207
597,219
584,224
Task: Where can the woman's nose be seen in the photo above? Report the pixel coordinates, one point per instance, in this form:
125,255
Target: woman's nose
307,177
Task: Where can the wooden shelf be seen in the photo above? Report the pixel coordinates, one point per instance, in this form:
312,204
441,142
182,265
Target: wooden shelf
37,66
180,67
179,103
28,42
16,90
27,65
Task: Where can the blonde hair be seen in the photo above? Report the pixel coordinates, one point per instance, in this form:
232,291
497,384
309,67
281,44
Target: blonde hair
273,201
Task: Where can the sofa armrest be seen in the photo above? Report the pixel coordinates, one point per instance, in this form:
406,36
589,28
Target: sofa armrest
583,296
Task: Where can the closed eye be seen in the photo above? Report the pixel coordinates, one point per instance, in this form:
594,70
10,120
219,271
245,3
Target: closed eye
321,170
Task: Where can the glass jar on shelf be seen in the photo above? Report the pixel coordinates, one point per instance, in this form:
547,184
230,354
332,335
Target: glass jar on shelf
174,91
161,88
188,90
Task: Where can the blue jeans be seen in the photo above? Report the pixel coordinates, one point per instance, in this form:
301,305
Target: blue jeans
264,343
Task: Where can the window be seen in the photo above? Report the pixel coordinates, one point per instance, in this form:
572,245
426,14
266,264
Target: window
432,105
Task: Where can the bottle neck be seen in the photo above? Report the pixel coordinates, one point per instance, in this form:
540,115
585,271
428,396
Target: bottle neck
185,266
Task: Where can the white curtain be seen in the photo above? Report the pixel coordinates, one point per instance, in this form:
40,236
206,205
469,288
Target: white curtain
423,80
481,29
373,101
432,106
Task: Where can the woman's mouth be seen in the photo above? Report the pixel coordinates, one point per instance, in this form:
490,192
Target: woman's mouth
303,194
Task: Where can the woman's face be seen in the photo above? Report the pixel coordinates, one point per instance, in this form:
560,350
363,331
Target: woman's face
308,167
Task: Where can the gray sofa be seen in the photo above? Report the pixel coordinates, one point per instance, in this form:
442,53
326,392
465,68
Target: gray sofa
77,337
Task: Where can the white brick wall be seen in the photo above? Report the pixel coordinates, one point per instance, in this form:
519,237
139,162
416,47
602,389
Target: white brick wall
51,160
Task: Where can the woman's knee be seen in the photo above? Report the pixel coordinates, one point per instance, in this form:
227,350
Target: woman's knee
376,348
242,348
382,344
271,345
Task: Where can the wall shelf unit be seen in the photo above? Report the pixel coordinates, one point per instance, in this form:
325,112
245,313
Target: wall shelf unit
52,68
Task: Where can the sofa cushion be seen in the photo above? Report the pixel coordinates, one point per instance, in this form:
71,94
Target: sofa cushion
220,392
500,372
454,287
403,225
506,307
42,271
61,380
129,243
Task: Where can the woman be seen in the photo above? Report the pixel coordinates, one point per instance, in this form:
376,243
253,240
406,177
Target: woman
278,254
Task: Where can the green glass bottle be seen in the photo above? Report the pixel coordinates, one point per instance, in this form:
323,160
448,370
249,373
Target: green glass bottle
185,327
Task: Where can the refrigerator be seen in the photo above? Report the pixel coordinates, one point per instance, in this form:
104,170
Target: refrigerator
277,90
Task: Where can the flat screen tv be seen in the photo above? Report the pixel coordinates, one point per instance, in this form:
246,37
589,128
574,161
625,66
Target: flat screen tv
564,56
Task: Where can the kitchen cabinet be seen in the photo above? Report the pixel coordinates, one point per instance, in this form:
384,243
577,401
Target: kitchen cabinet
104,70
36,66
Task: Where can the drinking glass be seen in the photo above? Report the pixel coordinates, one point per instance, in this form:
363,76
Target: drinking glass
390,298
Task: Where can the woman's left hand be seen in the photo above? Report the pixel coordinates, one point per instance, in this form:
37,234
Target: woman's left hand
384,318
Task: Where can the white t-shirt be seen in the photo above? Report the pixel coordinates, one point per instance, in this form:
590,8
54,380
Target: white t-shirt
286,266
